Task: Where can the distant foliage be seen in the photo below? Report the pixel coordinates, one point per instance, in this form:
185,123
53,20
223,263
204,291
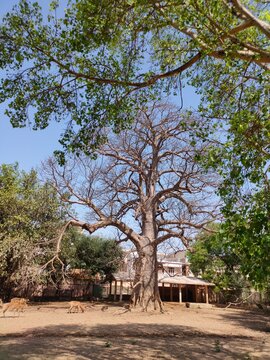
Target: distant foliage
214,260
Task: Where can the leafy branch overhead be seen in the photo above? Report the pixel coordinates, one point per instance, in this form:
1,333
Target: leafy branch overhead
94,66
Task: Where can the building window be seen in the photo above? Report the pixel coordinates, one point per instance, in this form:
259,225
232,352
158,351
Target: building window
171,270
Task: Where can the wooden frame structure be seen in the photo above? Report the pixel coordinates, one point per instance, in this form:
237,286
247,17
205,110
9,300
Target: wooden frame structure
174,289
185,289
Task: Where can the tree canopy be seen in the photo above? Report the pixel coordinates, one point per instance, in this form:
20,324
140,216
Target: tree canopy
94,66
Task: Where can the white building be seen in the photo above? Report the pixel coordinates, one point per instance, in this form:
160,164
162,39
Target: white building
176,282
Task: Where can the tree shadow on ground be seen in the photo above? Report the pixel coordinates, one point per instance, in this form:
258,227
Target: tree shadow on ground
255,320
128,341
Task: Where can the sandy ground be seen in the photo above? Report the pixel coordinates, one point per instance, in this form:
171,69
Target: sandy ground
47,331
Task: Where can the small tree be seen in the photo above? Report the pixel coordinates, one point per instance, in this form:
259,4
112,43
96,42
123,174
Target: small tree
96,254
146,183
30,219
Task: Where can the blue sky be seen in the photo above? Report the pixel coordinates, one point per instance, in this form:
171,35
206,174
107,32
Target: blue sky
25,146
29,147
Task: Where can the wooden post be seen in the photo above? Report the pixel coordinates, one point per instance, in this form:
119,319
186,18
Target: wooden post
180,293
110,291
195,293
121,290
171,294
163,290
115,290
206,294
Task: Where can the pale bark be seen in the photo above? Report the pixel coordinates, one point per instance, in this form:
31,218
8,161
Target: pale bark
145,290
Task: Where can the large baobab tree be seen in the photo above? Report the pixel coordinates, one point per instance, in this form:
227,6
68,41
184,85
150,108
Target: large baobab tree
147,184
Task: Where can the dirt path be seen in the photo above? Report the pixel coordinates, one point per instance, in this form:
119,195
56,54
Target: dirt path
48,332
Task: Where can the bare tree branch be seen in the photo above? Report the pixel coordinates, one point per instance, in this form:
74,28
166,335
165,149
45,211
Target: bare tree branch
146,184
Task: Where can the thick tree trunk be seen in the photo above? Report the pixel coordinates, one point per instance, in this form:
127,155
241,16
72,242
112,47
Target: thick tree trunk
145,290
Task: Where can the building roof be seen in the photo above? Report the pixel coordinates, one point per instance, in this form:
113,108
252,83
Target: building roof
122,276
179,279
171,263
184,280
